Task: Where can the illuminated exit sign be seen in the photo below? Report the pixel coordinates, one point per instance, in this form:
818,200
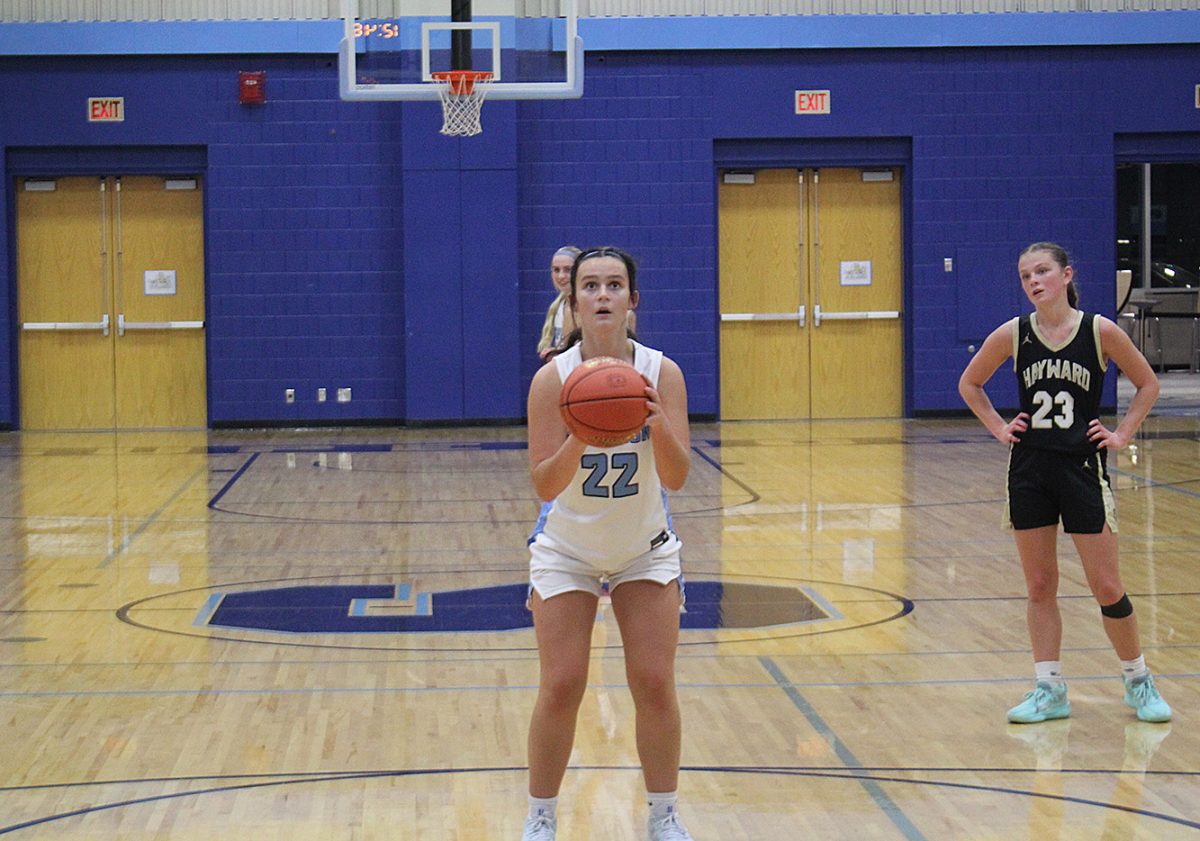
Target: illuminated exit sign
106,109
812,102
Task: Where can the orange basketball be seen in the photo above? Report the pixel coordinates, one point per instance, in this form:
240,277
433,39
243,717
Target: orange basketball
603,402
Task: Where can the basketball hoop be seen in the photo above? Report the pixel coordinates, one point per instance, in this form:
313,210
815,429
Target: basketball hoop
462,93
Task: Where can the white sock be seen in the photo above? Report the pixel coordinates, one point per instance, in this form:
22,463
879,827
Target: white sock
1134,669
662,804
539,806
1049,671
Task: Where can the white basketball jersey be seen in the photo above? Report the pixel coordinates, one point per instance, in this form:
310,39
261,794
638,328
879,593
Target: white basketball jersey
613,510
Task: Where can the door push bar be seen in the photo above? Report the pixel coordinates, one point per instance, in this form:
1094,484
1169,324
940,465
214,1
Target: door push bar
123,325
818,316
101,325
798,315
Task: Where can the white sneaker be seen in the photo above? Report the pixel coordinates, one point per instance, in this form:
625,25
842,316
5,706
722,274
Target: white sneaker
667,828
541,828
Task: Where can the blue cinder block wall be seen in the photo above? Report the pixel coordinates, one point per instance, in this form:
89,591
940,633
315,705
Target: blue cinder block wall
349,244
304,244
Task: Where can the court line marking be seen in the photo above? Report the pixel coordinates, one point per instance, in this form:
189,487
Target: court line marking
284,776
888,806
1174,487
607,652
320,777
150,520
232,479
212,503
1064,798
726,509
517,687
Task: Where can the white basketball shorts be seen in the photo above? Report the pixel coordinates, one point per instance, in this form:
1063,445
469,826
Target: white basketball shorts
552,573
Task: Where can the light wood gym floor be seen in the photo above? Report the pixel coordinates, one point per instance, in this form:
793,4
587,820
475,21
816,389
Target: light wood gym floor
877,712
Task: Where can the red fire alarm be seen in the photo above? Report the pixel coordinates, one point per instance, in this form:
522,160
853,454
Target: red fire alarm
252,87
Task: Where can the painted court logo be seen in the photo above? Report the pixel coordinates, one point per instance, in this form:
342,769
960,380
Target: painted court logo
399,609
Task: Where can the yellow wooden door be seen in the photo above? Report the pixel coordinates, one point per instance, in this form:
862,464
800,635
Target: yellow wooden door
159,274
110,275
764,350
810,294
63,302
856,341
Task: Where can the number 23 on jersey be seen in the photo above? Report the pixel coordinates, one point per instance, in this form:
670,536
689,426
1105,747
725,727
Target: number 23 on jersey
1042,417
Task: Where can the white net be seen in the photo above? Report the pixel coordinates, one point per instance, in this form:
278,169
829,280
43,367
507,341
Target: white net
462,94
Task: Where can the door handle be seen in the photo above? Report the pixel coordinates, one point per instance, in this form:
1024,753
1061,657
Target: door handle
865,315
101,325
123,325
798,315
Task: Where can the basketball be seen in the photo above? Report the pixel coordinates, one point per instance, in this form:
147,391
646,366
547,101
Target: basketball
603,402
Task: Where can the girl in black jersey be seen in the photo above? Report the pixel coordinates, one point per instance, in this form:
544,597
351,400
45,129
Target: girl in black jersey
1057,468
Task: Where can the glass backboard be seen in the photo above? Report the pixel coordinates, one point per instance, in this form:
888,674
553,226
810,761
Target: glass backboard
390,48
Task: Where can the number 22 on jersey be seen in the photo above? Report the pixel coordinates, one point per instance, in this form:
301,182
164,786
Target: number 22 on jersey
598,464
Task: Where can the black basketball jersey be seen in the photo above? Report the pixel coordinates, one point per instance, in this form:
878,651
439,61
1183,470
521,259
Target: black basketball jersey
1060,387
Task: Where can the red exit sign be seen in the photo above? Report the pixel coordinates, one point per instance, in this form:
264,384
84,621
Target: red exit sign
812,102
106,109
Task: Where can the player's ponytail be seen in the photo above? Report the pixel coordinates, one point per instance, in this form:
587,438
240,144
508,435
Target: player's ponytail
572,338
547,336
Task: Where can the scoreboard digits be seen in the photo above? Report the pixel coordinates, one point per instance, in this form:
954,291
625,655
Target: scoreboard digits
376,30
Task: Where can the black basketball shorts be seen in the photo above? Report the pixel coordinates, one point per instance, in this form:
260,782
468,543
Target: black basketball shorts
1045,486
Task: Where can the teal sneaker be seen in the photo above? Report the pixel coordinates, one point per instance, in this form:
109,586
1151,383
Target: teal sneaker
1045,702
1142,695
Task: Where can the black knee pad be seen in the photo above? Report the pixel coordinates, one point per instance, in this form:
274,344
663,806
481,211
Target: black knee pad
1119,609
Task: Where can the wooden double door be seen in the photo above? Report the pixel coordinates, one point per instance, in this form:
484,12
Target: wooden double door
811,285
110,276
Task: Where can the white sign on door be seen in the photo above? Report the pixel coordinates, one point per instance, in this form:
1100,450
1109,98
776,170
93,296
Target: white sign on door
160,282
856,272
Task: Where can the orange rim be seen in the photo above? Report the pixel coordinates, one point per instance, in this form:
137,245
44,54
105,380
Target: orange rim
461,82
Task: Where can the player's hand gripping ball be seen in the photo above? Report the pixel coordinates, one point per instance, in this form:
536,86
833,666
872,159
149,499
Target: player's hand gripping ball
603,402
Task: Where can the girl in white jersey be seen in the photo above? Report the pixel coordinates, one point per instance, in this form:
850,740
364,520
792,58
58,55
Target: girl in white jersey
606,520
558,321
